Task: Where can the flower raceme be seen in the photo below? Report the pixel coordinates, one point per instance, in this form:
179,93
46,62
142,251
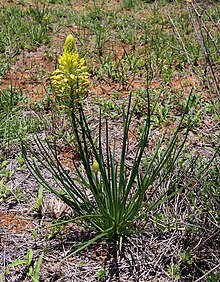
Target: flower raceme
71,78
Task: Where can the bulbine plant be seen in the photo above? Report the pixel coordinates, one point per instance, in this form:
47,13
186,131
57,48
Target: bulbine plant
108,197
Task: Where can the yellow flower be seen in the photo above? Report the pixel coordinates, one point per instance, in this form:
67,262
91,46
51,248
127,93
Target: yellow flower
71,78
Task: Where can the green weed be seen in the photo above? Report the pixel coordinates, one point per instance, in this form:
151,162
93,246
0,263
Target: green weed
39,199
102,274
174,270
33,271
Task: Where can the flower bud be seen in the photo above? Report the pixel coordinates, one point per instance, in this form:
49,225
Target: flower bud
69,45
95,166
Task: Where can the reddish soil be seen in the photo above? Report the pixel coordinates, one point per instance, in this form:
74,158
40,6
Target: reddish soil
30,75
13,223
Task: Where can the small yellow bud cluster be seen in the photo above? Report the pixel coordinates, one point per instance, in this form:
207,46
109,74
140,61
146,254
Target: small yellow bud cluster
71,78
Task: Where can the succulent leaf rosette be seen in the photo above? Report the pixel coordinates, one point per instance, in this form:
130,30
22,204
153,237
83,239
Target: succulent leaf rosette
71,78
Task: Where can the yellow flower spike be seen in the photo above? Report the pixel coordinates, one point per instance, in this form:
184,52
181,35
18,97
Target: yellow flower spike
70,45
95,166
70,80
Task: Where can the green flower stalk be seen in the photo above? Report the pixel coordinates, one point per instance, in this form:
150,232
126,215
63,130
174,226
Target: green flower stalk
71,78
